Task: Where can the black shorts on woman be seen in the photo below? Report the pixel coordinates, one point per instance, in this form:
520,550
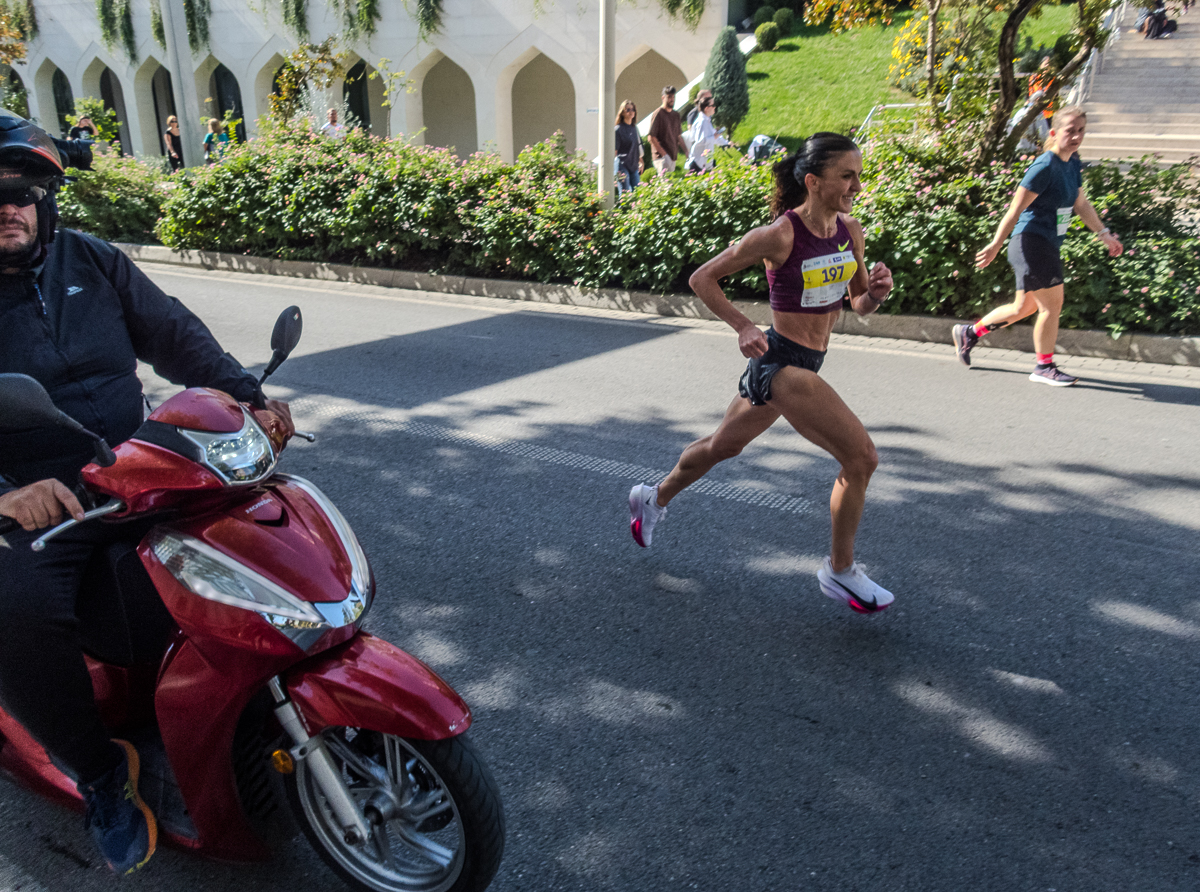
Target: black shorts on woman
755,384
1035,261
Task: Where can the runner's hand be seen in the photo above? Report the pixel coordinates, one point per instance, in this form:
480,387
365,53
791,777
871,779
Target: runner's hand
879,282
987,255
40,504
752,342
1115,248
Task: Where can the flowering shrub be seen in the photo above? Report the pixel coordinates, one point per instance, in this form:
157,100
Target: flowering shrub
119,199
297,195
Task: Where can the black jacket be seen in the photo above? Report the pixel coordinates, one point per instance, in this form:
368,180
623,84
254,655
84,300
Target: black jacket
79,326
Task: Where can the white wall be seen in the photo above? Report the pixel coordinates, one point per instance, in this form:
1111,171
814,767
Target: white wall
490,40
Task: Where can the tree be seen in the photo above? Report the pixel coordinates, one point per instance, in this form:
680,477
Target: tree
315,65
12,44
725,75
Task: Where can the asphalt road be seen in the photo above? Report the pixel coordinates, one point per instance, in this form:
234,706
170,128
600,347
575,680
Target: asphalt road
697,715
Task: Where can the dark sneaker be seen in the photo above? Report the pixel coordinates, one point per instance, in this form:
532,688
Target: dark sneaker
121,823
1052,376
964,339
644,513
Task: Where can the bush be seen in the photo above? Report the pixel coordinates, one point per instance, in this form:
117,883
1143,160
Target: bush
767,36
119,200
925,213
762,15
725,75
786,20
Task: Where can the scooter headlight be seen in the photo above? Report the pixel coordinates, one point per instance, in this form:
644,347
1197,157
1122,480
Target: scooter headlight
215,576
238,458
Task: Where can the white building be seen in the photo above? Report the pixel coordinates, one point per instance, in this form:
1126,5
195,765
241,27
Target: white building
501,75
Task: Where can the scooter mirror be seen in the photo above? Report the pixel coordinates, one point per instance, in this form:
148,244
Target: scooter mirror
24,404
284,339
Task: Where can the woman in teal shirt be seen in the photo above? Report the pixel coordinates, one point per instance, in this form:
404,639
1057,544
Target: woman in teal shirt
215,141
1038,218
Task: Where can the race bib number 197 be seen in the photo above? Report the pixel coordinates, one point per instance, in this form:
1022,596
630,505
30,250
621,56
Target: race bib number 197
825,278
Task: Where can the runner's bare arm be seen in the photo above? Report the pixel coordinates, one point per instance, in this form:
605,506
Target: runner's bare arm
868,288
1083,208
771,243
1021,200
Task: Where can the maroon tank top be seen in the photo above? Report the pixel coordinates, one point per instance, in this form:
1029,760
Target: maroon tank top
816,274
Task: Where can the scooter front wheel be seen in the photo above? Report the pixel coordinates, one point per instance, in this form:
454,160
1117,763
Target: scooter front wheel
436,821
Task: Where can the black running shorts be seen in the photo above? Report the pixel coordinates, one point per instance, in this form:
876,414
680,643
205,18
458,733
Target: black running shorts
756,380
1036,262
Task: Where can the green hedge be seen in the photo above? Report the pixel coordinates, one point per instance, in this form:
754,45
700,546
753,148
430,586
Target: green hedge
363,200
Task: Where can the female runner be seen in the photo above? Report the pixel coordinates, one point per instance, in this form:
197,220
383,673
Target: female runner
1038,217
813,252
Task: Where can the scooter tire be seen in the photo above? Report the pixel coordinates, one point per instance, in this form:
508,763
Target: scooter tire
459,819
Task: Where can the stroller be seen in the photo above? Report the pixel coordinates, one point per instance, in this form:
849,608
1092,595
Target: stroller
764,148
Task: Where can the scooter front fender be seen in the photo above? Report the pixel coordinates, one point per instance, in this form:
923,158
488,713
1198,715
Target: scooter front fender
369,683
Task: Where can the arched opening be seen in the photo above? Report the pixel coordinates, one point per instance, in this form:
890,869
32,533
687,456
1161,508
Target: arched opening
354,93
12,92
226,97
642,81
113,98
64,99
543,102
163,96
448,108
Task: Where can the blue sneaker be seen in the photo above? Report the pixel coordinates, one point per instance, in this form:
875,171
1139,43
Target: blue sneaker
121,823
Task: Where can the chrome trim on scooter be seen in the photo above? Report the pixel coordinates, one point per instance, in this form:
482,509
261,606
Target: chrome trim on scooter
315,756
362,592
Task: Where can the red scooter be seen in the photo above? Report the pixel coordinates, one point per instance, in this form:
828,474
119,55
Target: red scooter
226,643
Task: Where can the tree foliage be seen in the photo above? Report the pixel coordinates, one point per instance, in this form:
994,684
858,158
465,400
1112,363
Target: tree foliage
12,43
725,75
21,17
311,65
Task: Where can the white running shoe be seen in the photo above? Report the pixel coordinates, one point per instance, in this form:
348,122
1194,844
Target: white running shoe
852,586
644,513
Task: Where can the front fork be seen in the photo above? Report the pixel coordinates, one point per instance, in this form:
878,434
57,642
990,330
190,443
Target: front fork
315,755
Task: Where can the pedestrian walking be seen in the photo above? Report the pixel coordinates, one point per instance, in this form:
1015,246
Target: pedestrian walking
215,141
629,147
174,143
331,127
703,138
666,133
1038,218
813,253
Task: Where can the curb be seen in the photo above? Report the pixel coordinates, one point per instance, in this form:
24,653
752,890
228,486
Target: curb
1163,349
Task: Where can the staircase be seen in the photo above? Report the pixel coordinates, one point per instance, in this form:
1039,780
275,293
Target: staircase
1146,95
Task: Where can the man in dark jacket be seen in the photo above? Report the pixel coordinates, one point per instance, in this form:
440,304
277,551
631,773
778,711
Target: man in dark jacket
77,315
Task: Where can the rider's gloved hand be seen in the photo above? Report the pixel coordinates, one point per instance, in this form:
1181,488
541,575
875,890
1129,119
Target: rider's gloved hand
40,504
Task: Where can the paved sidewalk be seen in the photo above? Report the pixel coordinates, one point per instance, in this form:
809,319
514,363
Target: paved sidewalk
1139,347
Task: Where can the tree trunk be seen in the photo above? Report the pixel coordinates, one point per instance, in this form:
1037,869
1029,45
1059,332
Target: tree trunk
935,6
1055,87
1093,37
993,137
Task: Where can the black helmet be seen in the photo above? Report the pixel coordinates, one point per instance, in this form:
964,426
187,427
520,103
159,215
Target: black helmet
28,154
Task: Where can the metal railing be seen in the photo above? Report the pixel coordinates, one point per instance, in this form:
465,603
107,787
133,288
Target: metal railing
1095,60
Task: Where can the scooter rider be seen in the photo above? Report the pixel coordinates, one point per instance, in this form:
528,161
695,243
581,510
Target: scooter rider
76,315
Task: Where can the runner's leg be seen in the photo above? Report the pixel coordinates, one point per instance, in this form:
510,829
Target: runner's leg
1022,305
741,424
819,415
1049,302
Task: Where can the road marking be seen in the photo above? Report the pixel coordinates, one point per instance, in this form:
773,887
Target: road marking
388,421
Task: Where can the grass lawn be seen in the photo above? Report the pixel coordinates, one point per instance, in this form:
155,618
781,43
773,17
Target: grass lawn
815,80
